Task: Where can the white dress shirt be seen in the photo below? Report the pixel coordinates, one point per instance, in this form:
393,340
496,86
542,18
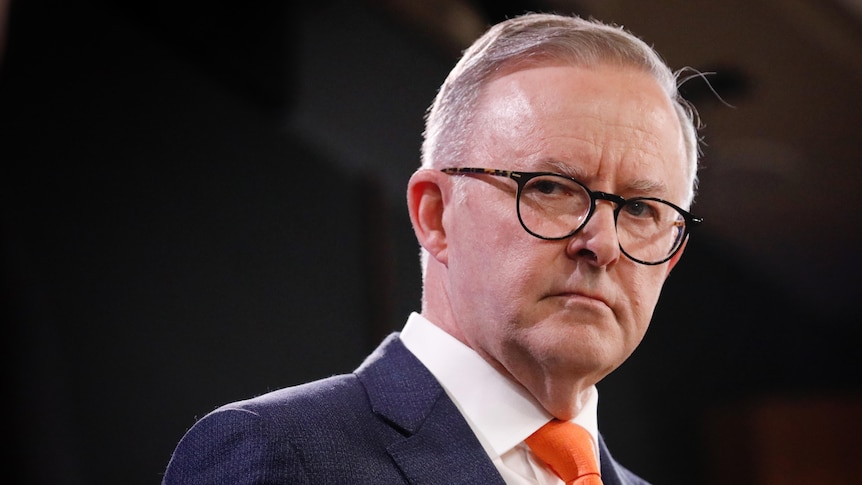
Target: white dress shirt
500,412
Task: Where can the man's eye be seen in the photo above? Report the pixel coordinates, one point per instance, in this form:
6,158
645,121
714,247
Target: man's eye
552,186
640,209
547,187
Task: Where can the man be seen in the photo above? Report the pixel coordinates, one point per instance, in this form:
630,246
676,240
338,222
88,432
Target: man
557,165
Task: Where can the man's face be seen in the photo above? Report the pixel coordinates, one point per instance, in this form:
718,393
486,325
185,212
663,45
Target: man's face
570,311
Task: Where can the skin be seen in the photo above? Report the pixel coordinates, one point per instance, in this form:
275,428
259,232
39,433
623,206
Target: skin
555,316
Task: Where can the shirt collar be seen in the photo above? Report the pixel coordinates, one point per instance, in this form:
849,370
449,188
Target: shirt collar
472,383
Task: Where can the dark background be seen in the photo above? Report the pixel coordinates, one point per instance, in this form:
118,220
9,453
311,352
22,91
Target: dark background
202,202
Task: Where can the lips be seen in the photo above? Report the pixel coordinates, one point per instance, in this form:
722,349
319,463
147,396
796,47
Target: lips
581,295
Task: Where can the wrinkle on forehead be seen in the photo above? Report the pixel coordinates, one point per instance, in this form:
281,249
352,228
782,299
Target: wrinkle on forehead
639,186
561,116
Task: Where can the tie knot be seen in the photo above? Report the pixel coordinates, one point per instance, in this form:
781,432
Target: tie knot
568,450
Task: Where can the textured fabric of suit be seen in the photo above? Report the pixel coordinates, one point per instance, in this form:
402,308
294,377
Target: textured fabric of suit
389,422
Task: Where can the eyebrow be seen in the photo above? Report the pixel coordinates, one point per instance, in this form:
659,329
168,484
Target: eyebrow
649,187
642,187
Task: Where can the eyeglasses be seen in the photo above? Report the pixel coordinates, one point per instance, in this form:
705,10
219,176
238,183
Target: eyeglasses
553,206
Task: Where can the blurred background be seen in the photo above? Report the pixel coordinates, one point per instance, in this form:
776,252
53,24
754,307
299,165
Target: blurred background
204,200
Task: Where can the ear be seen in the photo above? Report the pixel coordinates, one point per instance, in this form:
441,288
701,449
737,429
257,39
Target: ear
676,257
425,202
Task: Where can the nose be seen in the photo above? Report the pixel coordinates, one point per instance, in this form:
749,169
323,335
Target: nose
597,241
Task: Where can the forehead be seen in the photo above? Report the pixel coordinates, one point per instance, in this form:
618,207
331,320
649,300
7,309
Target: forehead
606,124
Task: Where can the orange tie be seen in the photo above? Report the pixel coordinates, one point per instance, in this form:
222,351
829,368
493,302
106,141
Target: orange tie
568,450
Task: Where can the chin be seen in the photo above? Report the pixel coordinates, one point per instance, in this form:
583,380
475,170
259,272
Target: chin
581,354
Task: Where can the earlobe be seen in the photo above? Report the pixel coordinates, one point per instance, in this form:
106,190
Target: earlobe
425,204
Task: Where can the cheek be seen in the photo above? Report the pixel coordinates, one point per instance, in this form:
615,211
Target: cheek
500,267
644,293
495,262
489,234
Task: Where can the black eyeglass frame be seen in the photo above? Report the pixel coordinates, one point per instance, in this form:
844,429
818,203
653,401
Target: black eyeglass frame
521,179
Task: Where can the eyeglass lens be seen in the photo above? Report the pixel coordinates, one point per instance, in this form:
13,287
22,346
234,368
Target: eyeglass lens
554,207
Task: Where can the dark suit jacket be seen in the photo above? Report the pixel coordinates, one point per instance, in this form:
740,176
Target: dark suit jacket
389,422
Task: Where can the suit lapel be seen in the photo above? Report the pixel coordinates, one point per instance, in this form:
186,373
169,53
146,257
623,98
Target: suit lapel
612,472
444,451
609,471
435,444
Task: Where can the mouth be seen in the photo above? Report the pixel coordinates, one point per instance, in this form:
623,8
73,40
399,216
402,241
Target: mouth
581,298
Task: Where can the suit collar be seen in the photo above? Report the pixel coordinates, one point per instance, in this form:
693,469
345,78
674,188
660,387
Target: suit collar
612,472
436,444
400,388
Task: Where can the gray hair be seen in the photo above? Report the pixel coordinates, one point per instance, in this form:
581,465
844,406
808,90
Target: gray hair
536,39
